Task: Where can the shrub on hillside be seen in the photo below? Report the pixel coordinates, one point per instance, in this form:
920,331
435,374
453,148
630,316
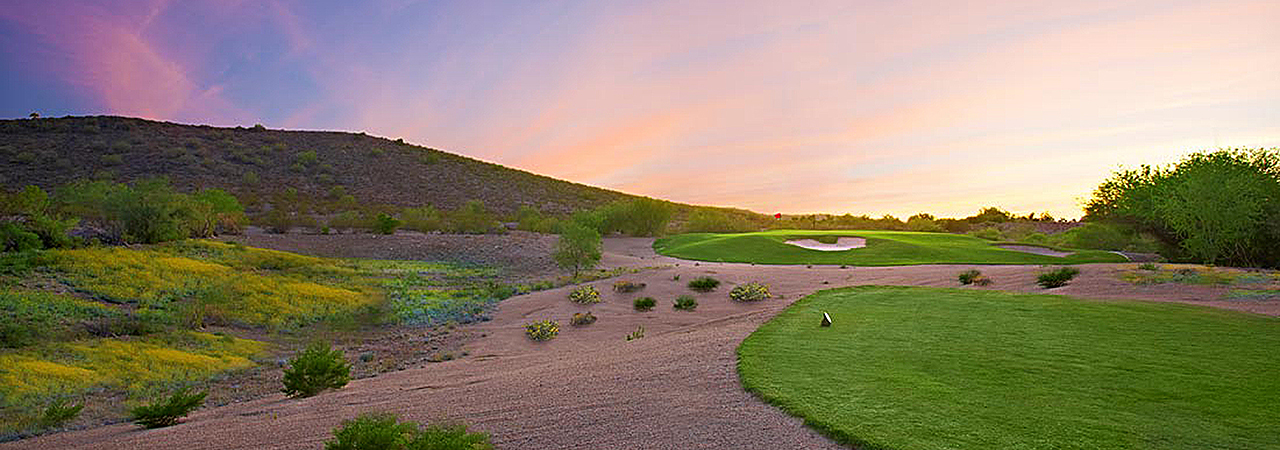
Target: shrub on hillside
750,292
57,414
385,224
424,219
644,303
685,303
315,369
1057,278
381,431
472,218
582,318
542,330
585,295
169,411
704,284
14,238
627,286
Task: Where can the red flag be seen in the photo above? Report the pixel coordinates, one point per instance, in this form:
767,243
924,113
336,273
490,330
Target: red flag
777,216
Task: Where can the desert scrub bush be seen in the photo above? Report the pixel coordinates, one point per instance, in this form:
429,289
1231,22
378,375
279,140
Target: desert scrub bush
989,233
585,295
704,284
542,330
685,303
315,369
385,224
384,431
1057,277
644,303
750,292
582,318
1149,266
626,286
639,333
969,276
167,412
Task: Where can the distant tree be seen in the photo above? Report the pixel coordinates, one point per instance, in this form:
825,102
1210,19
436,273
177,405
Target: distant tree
34,115
990,214
578,248
473,218
923,222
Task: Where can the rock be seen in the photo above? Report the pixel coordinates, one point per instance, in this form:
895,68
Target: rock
826,319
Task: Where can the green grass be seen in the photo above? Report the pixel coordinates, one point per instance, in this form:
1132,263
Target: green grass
884,248
928,368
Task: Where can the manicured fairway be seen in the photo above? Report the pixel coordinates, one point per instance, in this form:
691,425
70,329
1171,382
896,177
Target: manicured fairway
926,368
884,248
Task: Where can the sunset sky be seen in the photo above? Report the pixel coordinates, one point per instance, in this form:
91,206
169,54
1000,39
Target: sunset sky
871,107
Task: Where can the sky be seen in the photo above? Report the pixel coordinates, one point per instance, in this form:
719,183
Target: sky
863,107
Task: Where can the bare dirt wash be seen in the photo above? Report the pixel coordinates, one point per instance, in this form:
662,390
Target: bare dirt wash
589,388
842,244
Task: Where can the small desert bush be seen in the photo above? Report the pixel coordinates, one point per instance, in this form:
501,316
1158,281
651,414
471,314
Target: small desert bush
750,292
542,330
315,369
627,286
685,303
167,412
1149,266
582,318
989,233
385,224
382,431
57,414
585,295
639,333
644,303
704,284
1057,277
968,276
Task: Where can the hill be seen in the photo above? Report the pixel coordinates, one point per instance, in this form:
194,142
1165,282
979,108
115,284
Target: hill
258,162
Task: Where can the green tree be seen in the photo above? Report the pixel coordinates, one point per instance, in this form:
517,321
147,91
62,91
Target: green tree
578,248
1221,207
385,224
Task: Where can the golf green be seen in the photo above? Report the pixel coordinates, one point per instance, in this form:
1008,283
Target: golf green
928,368
883,248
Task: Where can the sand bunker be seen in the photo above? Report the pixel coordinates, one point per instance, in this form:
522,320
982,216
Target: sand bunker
1033,249
844,243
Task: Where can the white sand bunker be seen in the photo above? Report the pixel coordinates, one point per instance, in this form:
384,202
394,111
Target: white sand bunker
844,243
1033,249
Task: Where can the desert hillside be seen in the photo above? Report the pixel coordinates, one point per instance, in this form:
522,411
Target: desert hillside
257,161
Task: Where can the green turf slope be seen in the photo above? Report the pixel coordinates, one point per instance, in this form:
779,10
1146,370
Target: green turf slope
884,248
928,368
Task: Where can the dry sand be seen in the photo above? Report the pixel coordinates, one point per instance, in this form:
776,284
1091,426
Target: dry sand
675,388
842,244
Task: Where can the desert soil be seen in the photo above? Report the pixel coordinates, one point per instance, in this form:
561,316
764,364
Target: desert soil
589,388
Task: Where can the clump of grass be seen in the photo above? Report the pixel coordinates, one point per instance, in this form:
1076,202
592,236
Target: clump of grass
542,330
585,295
626,286
58,413
685,303
1149,266
1057,278
384,431
704,284
168,412
316,369
582,318
750,292
644,303
639,333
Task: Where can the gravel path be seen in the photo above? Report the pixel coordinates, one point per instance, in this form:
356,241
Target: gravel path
676,388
